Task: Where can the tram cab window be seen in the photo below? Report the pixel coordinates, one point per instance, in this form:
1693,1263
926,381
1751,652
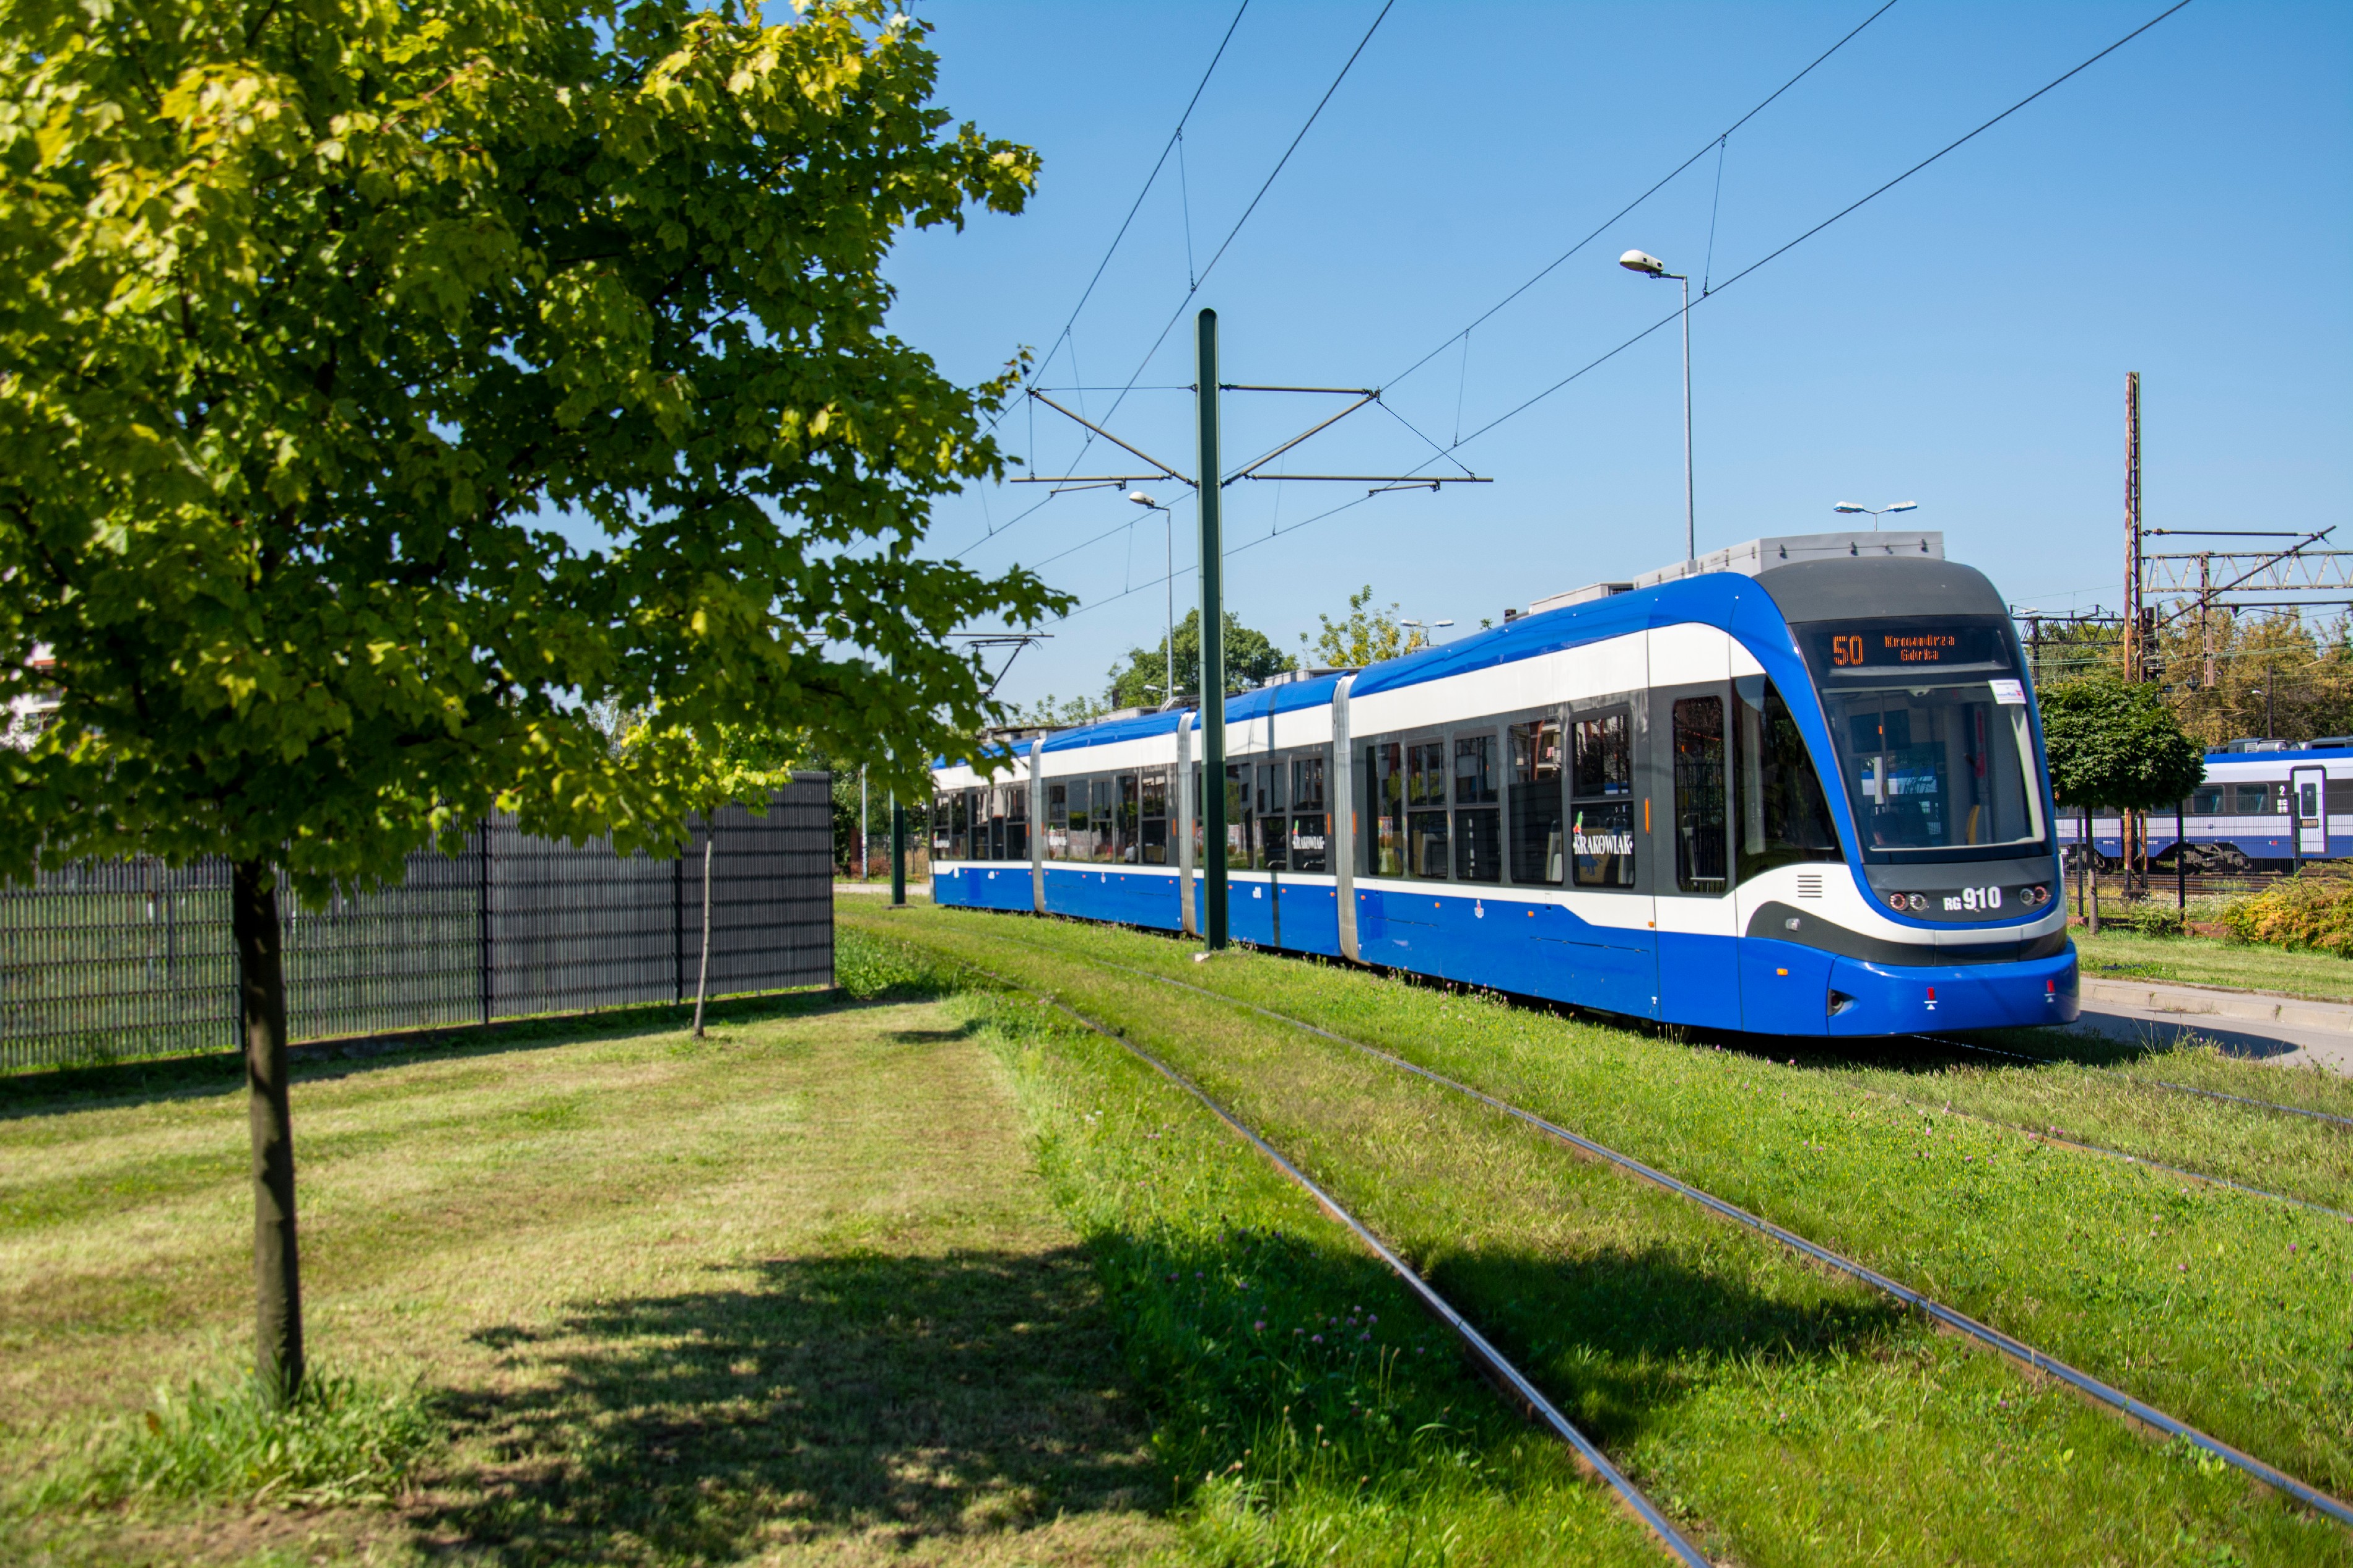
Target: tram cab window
1269,824
2205,801
1935,767
1384,841
1153,814
1535,802
1785,817
1478,814
1425,816
1311,820
1601,799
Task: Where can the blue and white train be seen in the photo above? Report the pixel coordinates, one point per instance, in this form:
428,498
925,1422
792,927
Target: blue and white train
1796,791
2265,806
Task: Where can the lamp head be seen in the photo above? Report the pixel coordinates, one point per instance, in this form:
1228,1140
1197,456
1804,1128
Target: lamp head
1848,506
1140,498
1636,261
1905,506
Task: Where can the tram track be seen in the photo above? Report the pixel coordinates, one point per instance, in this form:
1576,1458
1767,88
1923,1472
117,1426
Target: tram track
2143,1082
1494,1364
2096,1390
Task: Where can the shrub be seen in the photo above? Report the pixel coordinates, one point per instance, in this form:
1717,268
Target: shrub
341,1441
2150,917
2308,911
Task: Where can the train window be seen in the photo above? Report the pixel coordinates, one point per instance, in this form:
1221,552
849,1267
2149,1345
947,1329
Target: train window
1601,807
1153,810
1604,763
1240,817
1785,817
1478,823
1935,767
1425,829
1699,796
1384,822
1269,827
2259,799
1535,802
2206,802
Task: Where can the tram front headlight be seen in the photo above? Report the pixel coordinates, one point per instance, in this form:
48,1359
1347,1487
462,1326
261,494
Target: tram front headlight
1919,903
1895,902
2038,894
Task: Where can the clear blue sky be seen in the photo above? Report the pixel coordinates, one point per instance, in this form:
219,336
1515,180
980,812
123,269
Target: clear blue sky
2181,209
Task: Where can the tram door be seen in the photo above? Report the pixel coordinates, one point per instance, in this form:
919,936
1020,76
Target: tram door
1690,782
2308,799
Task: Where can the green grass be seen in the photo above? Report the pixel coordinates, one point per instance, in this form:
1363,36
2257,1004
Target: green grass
1798,1415
2208,961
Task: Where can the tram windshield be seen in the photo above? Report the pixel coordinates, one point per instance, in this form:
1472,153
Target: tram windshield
1938,767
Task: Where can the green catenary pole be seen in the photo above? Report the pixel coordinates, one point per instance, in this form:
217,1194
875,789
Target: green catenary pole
1213,642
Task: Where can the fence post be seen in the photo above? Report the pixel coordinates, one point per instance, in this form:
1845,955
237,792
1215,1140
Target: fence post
678,920
482,909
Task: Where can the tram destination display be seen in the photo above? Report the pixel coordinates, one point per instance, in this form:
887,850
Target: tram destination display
1886,647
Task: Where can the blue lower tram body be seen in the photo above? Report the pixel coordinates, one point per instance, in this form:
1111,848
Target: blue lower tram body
1750,984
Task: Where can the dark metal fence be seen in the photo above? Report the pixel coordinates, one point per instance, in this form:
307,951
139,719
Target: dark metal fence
107,961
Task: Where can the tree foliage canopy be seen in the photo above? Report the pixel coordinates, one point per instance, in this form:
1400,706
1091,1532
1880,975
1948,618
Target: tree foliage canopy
1366,635
2115,743
1250,658
383,388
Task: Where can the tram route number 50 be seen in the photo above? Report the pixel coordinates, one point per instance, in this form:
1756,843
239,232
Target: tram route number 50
1846,650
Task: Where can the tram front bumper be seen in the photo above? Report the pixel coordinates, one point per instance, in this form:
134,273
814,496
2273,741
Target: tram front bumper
1902,999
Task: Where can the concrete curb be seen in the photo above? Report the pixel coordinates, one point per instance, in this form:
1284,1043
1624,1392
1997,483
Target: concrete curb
2244,1007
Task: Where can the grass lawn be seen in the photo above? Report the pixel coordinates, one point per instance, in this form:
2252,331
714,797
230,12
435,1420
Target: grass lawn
924,1280
2205,961
1797,1415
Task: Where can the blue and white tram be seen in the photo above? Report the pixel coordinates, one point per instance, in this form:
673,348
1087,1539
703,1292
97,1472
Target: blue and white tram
1806,802
2265,805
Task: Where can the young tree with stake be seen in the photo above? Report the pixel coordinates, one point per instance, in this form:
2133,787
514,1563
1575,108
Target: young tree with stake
2115,743
387,391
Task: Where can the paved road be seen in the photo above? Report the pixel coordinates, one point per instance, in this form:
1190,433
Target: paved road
2288,1030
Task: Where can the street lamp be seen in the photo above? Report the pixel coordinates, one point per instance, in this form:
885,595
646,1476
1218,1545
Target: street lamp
1851,506
1168,536
1426,627
1652,266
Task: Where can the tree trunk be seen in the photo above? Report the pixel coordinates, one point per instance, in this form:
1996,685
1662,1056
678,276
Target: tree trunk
703,972
261,1013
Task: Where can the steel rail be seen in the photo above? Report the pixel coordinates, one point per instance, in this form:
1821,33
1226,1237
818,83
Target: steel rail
1492,1362
2009,1345
2144,1082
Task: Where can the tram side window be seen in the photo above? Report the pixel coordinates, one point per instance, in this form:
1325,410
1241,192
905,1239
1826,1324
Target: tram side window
1058,821
1311,820
1131,850
1785,817
1106,819
1080,833
942,847
960,826
1270,808
1601,800
1699,858
1425,815
988,826
1241,819
1385,817
1535,802
1478,815
1153,808
1017,820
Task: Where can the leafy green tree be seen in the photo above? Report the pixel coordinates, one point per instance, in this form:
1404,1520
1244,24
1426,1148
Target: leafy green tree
1250,658
1060,712
385,392
1366,635
2115,743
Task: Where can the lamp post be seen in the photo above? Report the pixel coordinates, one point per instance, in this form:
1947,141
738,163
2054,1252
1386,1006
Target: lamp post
1875,513
1652,266
1426,628
1168,535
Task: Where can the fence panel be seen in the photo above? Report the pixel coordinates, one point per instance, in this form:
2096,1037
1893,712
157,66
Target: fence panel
128,959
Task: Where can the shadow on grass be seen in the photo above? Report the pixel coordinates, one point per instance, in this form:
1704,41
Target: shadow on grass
914,1398
52,1090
